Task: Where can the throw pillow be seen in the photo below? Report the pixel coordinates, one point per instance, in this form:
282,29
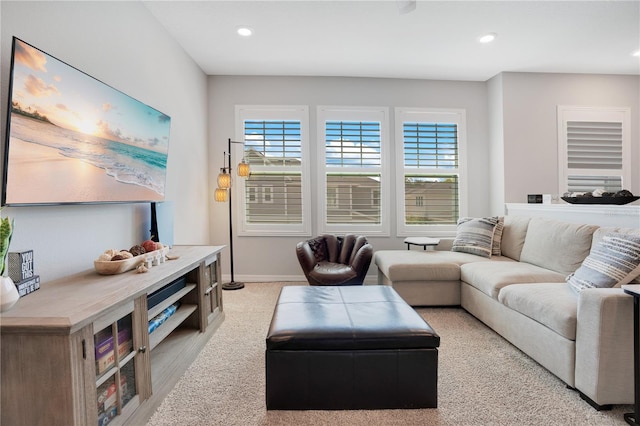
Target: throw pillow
496,246
475,236
602,231
613,260
319,249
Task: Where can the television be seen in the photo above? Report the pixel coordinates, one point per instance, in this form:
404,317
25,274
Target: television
72,139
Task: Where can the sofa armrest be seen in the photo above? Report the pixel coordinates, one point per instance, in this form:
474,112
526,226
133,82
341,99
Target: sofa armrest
604,346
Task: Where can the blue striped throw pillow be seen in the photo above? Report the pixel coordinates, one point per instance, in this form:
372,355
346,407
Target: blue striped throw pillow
614,260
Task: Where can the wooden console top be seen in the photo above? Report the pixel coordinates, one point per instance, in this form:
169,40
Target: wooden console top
66,305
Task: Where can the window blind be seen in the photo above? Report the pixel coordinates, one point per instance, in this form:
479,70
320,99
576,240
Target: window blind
352,143
273,142
273,192
353,197
431,190
594,145
431,199
274,198
430,145
589,183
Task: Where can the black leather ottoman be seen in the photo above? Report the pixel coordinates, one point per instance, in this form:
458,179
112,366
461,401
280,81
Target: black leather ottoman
359,347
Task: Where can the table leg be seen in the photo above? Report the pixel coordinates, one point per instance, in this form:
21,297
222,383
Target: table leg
632,418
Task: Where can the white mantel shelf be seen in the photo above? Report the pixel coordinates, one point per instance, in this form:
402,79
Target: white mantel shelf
627,216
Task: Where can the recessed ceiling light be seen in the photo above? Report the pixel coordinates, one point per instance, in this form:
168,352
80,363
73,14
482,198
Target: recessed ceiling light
244,31
636,53
487,38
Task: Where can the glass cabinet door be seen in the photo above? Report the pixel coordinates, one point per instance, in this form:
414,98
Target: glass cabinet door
115,368
212,290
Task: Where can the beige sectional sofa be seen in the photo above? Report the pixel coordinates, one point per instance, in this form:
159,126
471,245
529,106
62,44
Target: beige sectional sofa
583,337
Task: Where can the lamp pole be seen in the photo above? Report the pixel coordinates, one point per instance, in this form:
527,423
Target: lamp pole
233,284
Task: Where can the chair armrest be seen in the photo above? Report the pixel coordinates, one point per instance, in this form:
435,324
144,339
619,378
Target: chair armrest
305,256
604,346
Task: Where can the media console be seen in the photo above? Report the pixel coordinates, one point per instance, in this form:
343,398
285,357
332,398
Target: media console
92,349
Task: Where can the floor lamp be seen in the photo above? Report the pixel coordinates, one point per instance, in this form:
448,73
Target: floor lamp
223,194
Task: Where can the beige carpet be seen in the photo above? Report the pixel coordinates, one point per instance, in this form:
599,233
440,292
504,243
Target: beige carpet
483,380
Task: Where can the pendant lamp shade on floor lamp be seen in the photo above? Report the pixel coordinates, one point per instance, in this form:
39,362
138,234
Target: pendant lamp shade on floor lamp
223,194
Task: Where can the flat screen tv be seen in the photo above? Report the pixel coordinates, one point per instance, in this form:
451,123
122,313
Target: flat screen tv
72,139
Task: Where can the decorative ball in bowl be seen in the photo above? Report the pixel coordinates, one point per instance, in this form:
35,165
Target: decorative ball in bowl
600,197
113,261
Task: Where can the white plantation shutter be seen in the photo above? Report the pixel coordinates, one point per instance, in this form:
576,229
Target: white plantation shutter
593,148
594,145
352,145
430,175
275,197
431,191
353,173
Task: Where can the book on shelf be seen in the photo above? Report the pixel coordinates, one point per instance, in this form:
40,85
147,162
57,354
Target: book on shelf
105,354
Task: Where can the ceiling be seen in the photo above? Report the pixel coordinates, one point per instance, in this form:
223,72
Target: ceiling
437,40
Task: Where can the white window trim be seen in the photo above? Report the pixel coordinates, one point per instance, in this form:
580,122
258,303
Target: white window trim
344,113
444,115
592,113
273,112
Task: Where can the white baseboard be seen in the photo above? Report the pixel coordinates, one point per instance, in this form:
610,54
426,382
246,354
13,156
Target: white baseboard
369,279
265,278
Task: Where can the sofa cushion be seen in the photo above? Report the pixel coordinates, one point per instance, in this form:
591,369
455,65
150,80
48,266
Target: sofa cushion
490,277
555,245
418,265
551,304
475,235
601,232
513,235
614,260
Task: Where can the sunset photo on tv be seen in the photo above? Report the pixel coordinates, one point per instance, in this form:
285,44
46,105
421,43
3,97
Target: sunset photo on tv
73,139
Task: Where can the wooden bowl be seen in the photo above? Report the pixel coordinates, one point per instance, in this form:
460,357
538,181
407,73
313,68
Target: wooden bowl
113,267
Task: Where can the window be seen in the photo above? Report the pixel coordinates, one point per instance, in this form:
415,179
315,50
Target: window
430,173
267,190
353,170
593,149
275,198
251,194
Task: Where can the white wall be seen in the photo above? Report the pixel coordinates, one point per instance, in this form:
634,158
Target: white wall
274,257
530,132
121,44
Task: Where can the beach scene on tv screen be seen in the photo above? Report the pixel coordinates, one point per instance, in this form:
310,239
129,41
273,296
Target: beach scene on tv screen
74,139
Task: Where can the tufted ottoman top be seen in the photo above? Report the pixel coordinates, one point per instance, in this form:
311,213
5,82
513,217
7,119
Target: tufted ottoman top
346,318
